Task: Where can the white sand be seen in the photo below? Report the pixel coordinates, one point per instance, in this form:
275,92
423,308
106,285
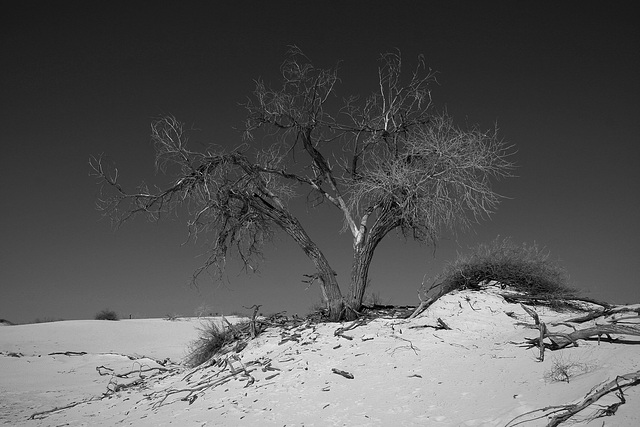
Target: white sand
405,373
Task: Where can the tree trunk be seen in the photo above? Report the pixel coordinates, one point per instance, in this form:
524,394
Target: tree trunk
324,273
364,246
362,256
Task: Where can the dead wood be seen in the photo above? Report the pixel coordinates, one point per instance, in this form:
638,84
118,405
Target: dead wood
541,327
212,375
340,331
575,303
627,380
343,373
40,415
424,304
607,311
563,340
68,353
565,412
589,316
252,323
139,371
442,325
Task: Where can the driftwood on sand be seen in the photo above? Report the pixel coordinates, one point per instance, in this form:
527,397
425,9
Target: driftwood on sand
614,326
558,414
561,340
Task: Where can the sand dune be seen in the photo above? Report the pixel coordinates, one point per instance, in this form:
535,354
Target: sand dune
392,372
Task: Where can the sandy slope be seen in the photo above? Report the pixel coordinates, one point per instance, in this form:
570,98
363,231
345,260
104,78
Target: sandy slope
404,373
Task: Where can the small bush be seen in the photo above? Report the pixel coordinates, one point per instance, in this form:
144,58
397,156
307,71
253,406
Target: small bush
526,268
212,340
107,315
563,370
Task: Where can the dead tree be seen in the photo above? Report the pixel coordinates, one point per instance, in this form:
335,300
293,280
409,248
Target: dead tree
386,162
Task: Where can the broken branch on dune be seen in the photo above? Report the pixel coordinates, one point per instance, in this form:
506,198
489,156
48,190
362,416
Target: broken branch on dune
227,370
565,412
139,371
340,331
562,340
68,353
40,415
607,311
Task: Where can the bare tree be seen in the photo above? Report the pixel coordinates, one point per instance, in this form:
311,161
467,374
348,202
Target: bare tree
387,162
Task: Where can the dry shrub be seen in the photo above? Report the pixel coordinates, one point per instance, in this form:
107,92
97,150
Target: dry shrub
212,340
562,370
107,315
525,268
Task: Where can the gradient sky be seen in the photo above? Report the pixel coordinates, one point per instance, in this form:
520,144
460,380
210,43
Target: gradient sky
559,78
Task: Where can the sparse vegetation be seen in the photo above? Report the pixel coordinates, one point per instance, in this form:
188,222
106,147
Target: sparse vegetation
525,268
562,370
213,339
107,314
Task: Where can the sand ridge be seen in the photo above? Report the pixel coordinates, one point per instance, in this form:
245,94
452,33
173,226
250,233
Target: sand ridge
391,372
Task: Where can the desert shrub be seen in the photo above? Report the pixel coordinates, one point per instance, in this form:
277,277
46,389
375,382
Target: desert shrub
107,314
525,268
212,340
563,370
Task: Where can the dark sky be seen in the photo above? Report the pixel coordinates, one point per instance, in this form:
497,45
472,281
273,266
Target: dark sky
559,78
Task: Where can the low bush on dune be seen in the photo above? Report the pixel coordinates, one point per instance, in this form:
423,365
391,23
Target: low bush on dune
107,315
215,339
525,268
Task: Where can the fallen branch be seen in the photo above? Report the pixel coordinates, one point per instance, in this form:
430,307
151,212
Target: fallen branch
442,325
139,371
565,412
42,414
563,340
410,346
242,373
113,387
424,304
68,353
343,373
572,302
541,327
583,334
607,311
340,331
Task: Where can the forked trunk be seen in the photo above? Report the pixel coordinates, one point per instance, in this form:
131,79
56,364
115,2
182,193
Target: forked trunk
363,248
362,256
